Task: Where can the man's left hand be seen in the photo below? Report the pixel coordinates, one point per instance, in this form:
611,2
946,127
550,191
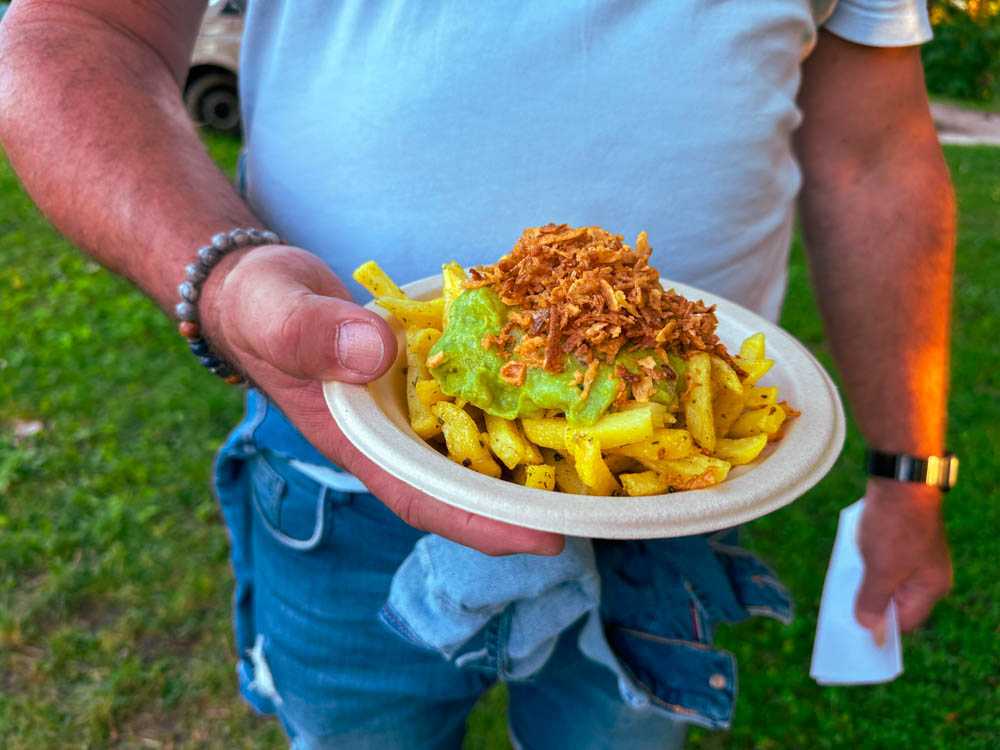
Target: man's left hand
903,543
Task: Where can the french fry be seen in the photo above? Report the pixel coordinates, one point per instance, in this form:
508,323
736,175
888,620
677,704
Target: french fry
692,472
612,430
738,451
664,443
429,392
505,440
461,435
727,395
452,278
790,414
725,411
753,347
754,369
661,415
618,463
371,276
567,480
586,452
766,420
644,483
418,343
697,401
546,432
422,419
621,428
540,476
414,313
532,455
758,396
723,376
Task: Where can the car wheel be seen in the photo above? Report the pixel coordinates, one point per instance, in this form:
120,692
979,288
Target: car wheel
212,100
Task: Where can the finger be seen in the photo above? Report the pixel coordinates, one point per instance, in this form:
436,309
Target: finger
913,609
872,602
484,534
313,336
915,600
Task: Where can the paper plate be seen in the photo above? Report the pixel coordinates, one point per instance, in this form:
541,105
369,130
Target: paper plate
374,418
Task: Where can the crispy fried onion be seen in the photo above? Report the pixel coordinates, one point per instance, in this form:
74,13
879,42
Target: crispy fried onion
514,372
583,291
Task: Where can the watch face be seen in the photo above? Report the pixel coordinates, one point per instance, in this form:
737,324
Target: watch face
949,472
942,471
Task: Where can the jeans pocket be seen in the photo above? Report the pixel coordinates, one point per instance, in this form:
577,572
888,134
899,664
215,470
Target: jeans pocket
688,680
754,584
291,507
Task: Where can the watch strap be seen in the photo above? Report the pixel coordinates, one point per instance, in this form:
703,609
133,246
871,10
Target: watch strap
937,471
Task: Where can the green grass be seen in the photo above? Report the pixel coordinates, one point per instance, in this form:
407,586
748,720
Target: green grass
114,580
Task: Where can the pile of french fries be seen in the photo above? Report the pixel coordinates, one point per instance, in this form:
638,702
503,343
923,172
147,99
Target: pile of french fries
642,448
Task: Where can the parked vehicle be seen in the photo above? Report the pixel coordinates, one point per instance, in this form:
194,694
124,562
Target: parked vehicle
211,93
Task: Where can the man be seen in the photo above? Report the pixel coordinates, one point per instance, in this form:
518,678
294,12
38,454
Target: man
419,132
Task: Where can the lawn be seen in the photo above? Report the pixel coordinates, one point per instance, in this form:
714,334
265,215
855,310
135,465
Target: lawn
114,580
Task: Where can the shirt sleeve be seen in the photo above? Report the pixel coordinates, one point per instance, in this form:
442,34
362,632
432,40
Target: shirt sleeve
881,23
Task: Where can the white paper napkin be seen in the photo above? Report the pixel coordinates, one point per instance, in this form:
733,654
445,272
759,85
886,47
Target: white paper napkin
845,653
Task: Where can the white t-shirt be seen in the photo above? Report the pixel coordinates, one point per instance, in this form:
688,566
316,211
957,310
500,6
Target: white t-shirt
420,132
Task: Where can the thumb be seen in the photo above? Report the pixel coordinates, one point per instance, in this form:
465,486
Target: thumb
297,320
871,604
328,338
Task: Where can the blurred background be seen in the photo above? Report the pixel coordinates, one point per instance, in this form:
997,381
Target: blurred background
114,579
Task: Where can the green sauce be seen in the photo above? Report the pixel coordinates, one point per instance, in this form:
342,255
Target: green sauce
667,390
471,372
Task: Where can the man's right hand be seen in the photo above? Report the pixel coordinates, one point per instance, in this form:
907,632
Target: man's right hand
287,321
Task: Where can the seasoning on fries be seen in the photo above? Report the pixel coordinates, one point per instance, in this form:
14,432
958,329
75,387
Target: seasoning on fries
566,365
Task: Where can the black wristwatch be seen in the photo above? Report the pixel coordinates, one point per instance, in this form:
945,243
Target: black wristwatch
937,471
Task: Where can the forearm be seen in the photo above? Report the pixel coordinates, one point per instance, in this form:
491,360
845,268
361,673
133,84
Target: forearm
94,126
880,238
878,215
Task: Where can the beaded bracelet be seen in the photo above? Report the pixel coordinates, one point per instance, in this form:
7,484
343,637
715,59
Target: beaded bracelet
190,289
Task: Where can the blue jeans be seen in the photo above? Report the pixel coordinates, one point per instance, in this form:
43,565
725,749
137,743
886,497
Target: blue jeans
313,568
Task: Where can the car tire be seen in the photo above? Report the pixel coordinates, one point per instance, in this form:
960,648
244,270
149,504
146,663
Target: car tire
212,99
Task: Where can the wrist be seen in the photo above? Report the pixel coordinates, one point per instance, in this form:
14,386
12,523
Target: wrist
216,356
217,320
891,492
926,438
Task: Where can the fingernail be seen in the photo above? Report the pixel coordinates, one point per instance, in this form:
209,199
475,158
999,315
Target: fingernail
878,633
360,347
